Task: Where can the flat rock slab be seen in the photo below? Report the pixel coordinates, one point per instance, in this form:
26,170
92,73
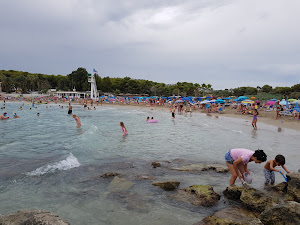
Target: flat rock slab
32,217
198,195
231,216
167,185
202,167
119,184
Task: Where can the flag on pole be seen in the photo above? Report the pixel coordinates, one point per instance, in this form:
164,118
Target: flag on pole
95,71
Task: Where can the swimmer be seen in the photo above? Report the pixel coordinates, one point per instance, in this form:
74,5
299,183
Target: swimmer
70,109
77,120
94,108
38,114
21,108
15,115
89,108
152,118
3,116
148,118
125,132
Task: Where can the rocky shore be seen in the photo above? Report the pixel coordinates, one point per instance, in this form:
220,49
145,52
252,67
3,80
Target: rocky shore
241,205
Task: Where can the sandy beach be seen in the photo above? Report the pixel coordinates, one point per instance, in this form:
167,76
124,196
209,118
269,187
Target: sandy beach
267,117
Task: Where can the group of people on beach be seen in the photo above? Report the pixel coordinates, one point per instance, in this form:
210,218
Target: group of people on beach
237,160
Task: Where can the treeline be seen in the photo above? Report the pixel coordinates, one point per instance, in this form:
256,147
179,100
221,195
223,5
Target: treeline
266,90
25,82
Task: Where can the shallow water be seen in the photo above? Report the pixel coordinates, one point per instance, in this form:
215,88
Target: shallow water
47,163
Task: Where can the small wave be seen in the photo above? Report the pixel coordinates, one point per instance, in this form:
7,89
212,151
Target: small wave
70,162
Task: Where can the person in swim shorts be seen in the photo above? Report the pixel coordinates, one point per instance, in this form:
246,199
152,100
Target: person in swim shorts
70,109
237,159
254,121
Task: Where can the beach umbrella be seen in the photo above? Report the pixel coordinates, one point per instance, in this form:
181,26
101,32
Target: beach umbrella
186,99
252,97
220,101
227,98
179,101
241,98
256,101
270,103
204,102
208,97
247,102
274,99
283,102
292,100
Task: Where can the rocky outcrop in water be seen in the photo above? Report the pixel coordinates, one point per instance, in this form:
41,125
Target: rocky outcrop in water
109,175
231,216
251,198
119,184
284,214
202,167
198,195
167,185
293,188
32,217
155,164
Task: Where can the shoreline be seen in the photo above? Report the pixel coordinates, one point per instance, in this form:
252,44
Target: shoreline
266,117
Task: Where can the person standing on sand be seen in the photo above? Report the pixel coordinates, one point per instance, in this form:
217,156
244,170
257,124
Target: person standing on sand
278,108
77,120
254,121
70,109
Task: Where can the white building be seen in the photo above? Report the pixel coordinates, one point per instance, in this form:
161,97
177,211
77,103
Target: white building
71,94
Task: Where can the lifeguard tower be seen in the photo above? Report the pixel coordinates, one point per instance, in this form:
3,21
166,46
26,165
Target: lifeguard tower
91,79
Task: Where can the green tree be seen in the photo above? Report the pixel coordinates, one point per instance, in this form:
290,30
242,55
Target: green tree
79,79
266,88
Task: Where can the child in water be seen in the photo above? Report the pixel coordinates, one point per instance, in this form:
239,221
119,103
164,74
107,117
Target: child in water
125,132
77,120
270,168
237,159
254,121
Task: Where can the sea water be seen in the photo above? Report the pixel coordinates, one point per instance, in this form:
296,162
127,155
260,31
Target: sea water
47,163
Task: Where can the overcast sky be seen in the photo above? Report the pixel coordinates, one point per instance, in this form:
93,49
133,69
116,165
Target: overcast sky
226,43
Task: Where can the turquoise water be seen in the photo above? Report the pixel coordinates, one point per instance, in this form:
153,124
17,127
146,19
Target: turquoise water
47,163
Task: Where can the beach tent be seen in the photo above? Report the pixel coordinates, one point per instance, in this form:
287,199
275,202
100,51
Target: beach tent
186,99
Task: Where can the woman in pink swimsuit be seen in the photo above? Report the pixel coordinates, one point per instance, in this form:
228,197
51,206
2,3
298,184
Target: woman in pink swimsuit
125,132
77,120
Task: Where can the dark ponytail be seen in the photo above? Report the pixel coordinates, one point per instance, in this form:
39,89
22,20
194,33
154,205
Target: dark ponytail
260,155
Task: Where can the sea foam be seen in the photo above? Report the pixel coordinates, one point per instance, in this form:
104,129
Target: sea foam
70,162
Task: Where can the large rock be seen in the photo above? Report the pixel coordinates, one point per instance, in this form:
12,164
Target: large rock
167,185
231,216
257,200
294,186
119,184
202,167
234,192
251,198
285,214
199,195
32,217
